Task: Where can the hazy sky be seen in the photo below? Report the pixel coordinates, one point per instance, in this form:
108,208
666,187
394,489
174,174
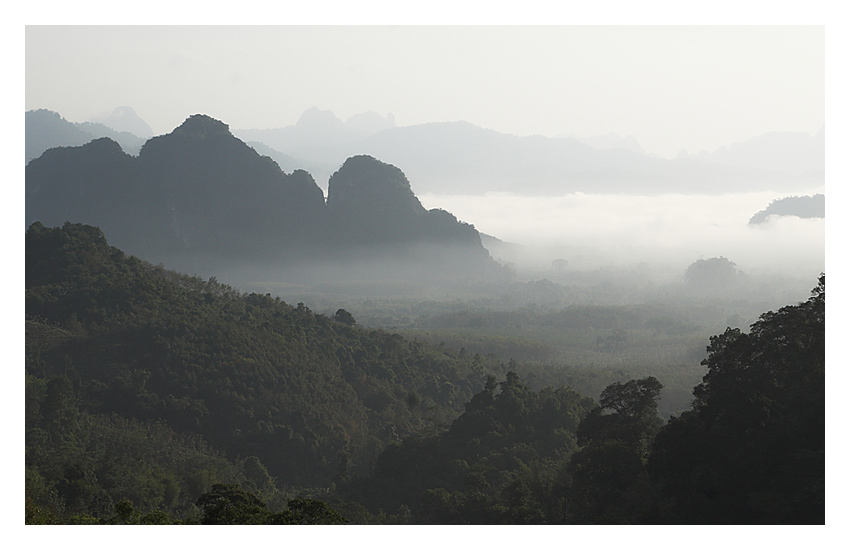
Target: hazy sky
671,87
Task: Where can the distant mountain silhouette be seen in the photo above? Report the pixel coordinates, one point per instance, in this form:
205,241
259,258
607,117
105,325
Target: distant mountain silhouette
125,119
320,130
473,160
47,129
803,207
198,197
791,153
370,204
320,142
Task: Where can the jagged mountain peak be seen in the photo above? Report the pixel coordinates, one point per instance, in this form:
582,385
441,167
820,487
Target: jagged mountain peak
202,126
125,119
319,119
372,185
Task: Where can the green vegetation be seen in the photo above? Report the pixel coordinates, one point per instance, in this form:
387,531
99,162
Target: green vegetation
506,448
159,398
752,448
130,343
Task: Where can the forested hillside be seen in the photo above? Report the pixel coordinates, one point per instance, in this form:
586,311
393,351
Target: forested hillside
155,397
118,340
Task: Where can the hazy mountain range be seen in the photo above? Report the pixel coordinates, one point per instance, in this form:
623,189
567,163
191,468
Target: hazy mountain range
47,129
461,158
201,200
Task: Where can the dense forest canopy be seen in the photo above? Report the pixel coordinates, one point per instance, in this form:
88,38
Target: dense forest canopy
248,373
156,397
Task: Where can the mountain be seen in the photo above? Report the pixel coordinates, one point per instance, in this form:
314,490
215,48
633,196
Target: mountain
475,160
252,375
781,153
319,129
47,129
803,207
125,119
320,142
198,199
284,161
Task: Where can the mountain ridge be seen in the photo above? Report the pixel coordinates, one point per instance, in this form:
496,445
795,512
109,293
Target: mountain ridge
475,160
199,195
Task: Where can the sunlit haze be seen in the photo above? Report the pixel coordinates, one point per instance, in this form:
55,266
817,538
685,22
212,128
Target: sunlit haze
672,88
668,92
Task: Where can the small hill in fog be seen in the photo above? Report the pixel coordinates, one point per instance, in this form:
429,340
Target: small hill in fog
803,207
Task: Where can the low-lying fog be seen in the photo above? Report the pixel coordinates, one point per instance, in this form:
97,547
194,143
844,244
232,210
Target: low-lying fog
666,233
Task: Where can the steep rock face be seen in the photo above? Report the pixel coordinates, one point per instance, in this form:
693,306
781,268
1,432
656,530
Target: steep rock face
371,202
94,182
196,189
200,200
371,206
221,195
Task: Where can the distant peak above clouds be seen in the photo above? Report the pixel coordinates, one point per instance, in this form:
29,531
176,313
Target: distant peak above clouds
125,119
318,121
792,152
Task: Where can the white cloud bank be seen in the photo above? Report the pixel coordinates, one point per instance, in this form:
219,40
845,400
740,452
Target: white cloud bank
666,232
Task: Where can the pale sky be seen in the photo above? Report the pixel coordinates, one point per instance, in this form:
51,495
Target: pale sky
671,87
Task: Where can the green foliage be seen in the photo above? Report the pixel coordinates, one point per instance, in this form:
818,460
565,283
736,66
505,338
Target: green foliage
752,448
230,505
498,462
634,415
306,511
117,346
157,398
342,316
609,479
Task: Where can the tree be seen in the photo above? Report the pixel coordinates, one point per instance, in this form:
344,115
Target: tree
752,448
627,412
229,505
344,317
609,479
307,511
713,274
